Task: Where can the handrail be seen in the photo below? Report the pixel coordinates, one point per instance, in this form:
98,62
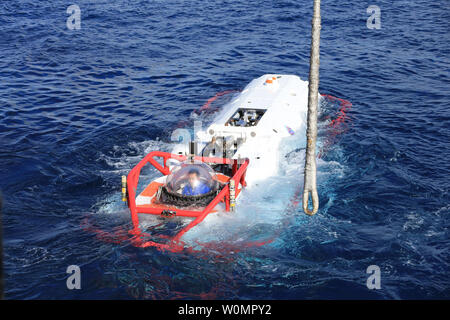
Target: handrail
224,194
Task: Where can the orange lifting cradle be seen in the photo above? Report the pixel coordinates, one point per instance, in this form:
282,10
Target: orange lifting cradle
231,186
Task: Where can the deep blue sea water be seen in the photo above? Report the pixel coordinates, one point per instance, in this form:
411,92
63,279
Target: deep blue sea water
79,108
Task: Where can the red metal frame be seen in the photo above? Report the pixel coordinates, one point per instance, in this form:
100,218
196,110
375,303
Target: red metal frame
239,170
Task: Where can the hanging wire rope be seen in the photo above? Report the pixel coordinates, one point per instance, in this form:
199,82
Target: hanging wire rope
311,132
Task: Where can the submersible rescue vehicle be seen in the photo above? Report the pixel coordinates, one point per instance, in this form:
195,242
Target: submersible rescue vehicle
240,147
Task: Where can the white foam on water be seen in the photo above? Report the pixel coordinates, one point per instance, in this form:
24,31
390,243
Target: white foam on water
261,209
122,164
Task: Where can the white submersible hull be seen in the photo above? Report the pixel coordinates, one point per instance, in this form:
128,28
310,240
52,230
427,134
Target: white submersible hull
240,148
253,125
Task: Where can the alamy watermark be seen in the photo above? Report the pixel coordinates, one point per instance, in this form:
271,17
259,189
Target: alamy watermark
74,280
374,21
374,280
74,20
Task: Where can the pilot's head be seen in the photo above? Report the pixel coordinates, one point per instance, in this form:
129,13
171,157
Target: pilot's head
193,176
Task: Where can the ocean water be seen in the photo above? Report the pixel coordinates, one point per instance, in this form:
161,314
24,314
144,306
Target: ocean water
79,108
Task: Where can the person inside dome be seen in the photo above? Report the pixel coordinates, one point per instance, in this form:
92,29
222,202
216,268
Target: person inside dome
195,186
